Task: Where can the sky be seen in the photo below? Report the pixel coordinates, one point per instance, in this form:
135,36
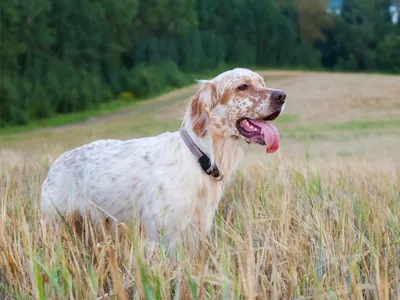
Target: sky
335,5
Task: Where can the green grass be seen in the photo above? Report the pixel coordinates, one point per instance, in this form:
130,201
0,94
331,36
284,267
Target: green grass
287,119
344,154
71,118
337,131
388,123
64,119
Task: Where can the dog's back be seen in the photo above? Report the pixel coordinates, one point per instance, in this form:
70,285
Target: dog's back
74,173
126,179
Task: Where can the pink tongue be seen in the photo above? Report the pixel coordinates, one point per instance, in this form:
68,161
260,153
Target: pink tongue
271,135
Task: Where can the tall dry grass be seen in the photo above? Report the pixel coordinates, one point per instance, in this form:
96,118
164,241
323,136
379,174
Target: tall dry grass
291,229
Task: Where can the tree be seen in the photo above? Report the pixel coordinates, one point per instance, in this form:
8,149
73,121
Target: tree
353,40
59,56
312,19
389,54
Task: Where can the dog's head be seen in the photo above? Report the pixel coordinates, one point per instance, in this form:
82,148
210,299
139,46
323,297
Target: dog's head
237,103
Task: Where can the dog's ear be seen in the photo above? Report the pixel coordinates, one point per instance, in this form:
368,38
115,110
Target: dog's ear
200,108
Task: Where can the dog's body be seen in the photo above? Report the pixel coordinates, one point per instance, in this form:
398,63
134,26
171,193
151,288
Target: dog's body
157,179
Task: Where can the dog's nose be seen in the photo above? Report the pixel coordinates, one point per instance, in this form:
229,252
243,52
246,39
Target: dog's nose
278,96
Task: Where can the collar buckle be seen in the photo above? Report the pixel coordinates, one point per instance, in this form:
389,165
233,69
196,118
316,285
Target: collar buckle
217,174
212,170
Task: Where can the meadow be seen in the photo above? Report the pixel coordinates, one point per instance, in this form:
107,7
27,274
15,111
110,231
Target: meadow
319,219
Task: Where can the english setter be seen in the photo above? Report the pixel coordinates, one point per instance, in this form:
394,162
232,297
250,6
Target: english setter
172,182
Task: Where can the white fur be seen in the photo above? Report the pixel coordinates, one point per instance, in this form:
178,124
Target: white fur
156,179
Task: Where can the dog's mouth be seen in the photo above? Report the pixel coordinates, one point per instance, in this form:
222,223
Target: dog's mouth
260,131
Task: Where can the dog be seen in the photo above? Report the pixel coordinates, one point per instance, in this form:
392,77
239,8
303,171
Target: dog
170,183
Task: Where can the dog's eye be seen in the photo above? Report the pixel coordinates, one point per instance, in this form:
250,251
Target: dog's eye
243,87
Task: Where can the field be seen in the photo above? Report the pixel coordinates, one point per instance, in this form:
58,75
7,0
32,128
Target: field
318,219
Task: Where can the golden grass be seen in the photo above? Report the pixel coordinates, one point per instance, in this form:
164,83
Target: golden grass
286,229
316,224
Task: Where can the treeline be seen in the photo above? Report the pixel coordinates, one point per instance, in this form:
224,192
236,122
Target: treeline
60,56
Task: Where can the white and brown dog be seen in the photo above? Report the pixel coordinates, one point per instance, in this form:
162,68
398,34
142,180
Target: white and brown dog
172,182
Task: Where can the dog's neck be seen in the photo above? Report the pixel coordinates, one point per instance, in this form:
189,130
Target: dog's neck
205,142
228,153
225,152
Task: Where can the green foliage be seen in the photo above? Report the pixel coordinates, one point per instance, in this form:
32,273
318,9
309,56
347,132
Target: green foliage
149,79
362,38
389,53
60,56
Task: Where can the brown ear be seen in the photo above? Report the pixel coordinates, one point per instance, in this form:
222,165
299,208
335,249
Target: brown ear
200,108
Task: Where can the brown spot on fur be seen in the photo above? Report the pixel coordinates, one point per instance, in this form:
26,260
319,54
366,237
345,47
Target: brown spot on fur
201,192
248,111
262,94
226,97
202,103
218,125
199,117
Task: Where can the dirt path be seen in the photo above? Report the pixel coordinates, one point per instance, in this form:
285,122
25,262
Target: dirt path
327,114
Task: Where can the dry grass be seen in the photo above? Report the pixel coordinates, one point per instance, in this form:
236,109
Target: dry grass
294,229
298,224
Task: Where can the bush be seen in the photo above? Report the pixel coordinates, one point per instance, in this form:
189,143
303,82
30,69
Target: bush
64,89
140,81
146,80
305,56
174,77
24,100
349,64
9,98
389,53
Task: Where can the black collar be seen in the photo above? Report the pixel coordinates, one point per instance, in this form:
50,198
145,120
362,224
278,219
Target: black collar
203,159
